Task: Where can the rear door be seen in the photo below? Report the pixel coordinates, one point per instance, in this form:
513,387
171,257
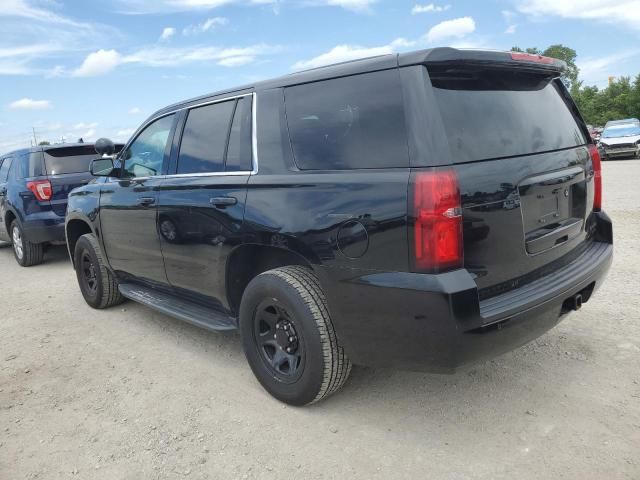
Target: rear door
201,205
526,177
5,165
128,205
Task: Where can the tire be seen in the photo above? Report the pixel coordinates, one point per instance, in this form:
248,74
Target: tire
26,253
97,283
287,303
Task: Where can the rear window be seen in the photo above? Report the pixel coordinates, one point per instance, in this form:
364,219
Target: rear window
354,122
63,160
492,114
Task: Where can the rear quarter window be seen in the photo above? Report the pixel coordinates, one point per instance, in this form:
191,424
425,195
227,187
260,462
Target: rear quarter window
355,122
4,169
493,114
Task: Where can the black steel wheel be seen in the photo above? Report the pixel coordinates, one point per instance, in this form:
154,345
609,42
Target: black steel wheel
288,336
97,283
278,341
89,275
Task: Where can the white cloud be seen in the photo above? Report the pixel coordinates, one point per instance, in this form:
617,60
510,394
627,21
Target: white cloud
98,63
431,7
509,19
236,61
21,8
134,111
141,7
167,33
208,24
30,104
456,28
344,53
354,5
104,61
123,134
625,12
31,33
597,70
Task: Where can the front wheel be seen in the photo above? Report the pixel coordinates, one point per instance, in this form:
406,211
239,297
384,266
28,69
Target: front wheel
97,283
26,253
288,337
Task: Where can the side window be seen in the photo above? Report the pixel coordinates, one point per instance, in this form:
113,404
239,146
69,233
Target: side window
239,152
20,167
4,169
145,155
348,123
204,139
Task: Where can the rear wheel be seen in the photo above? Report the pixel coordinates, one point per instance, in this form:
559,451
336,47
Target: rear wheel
26,253
289,339
97,283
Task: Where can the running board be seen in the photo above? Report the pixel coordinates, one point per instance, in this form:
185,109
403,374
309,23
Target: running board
176,307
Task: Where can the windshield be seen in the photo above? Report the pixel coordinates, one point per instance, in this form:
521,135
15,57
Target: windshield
621,131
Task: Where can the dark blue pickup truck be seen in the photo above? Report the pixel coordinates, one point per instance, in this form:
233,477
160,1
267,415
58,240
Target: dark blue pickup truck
34,185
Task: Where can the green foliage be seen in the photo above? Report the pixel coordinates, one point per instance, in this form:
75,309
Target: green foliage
44,142
621,98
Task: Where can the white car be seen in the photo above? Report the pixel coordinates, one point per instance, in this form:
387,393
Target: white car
620,140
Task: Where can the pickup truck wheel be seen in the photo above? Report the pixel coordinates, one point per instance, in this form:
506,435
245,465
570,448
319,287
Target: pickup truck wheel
98,285
27,254
288,337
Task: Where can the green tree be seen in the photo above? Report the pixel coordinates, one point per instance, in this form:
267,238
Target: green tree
44,142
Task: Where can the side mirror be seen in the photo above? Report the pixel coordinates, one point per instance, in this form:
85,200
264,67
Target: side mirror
104,146
102,167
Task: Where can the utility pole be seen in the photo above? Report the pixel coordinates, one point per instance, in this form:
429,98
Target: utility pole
35,140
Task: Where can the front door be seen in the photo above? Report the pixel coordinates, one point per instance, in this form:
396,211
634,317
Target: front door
5,165
201,205
128,205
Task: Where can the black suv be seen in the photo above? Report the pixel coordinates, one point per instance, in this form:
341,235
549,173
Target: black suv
34,184
423,211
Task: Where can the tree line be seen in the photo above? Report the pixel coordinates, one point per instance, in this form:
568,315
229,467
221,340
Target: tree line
620,99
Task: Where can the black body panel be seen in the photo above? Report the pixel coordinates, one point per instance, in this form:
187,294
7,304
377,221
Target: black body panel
188,244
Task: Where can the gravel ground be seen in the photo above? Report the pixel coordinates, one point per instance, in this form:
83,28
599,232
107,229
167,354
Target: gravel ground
128,393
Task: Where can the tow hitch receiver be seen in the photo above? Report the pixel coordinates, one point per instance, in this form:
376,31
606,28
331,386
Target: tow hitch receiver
573,303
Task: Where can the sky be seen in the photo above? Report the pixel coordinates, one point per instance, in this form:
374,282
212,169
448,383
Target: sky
78,68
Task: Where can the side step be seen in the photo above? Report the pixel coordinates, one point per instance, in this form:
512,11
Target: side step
190,312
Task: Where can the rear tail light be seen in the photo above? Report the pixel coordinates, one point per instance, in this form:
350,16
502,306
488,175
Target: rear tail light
437,228
531,57
597,177
41,189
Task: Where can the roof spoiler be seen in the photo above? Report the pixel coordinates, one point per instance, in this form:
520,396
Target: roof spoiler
485,58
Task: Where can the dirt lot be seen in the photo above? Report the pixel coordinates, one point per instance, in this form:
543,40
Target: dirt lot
131,394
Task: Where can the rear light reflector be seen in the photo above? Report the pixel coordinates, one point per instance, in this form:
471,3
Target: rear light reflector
41,189
437,228
597,177
531,57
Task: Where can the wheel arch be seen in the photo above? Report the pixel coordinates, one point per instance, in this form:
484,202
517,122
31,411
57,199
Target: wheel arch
250,260
9,217
74,229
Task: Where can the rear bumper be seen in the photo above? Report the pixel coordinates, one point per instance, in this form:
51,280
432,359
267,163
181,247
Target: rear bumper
436,322
44,227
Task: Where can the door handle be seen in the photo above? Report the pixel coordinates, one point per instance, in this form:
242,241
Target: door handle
222,202
146,201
